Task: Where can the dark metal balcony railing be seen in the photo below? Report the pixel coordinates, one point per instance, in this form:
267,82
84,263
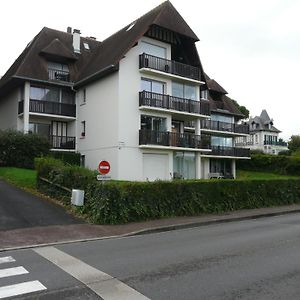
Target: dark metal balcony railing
62,142
58,75
276,143
229,151
169,66
173,139
53,108
223,126
175,103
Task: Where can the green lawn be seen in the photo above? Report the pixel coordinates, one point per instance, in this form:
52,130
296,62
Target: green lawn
23,178
252,175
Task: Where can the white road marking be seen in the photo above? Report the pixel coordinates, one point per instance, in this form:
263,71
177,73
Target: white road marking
6,259
102,284
12,272
21,288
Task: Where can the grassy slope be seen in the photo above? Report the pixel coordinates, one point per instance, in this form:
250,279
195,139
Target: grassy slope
251,175
23,178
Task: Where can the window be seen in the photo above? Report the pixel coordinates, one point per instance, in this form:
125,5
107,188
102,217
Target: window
221,141
40,129
181,90
86,46
153,86
58,66
84,96
204,94
52,94
82,160
83,129
222,118
184,165
153,50
58,71
153,123
222,166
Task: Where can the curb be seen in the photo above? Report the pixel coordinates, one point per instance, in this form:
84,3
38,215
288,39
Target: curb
158,229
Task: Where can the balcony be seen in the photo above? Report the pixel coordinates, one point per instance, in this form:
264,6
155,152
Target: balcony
62,142
229,151
169,66
173,139
49,107
225,127
58,75
156,100
276,143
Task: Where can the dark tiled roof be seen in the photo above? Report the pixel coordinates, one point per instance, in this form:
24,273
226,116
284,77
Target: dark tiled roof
262,123
32,64
57,49
219,102
89,64
113,49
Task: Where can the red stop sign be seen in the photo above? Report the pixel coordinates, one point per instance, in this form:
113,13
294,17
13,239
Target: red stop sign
104,167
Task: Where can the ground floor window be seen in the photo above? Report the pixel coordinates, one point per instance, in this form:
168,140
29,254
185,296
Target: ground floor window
184,165
222,166
40,129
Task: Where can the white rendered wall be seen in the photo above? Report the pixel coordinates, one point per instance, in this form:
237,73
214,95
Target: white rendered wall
101,115
9,110
130,156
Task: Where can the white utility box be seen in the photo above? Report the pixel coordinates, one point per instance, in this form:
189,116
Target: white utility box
77,197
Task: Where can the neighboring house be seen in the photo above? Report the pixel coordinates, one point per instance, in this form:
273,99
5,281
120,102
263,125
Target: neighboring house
263,135
126,100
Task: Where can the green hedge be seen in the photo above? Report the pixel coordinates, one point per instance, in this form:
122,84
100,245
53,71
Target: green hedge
122,202
19,150
114,203
285,165
72,158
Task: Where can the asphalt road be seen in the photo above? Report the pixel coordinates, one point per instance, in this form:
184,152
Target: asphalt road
19,209
254,259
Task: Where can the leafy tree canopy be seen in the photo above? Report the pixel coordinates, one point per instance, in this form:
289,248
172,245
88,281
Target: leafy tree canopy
242,109
294,143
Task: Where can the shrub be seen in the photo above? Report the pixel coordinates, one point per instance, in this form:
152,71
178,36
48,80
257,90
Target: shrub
72,158
280,164
122,202
19,150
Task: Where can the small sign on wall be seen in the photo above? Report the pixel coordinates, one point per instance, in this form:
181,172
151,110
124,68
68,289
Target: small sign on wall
103,169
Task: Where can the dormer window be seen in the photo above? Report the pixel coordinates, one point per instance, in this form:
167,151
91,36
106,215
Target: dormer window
58,71
204,94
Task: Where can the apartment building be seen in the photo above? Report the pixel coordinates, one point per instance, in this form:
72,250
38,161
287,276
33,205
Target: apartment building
139,99
264,136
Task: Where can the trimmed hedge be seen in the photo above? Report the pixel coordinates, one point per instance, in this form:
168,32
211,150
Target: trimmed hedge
122,202
72,158
19,150
285,165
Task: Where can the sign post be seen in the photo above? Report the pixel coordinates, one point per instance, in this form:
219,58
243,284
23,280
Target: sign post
103,169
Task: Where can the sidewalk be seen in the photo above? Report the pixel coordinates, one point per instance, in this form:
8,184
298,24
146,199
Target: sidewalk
56,234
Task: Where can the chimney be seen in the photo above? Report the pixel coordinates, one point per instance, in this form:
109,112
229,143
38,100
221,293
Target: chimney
76,40
69,29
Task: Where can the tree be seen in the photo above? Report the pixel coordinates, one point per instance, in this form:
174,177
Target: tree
242,109
294,143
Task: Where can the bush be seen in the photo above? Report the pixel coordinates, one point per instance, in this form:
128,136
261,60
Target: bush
280,164
122,202
72,158
114,203
19,150
58,172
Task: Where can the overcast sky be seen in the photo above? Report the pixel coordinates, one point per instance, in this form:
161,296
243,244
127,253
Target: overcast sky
252,48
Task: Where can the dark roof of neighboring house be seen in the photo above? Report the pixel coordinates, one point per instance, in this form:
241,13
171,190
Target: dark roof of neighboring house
101,57
262,123
32,64
219,102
